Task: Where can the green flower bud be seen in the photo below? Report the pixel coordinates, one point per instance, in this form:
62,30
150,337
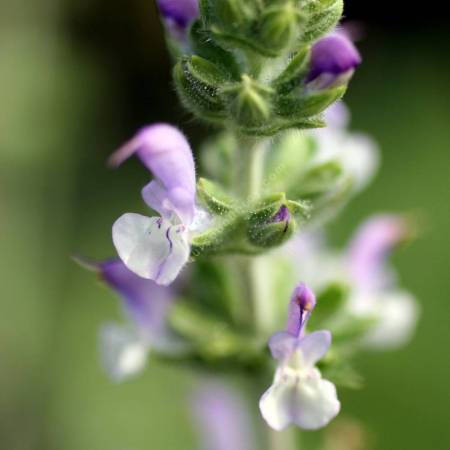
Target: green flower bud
323,16
234,13
280,25
250,102
274,231
197,81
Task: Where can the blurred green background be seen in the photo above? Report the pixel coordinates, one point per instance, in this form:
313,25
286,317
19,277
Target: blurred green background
77,77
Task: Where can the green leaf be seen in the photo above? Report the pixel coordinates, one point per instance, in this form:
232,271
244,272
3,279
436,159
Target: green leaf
233,41
213,197
287,160
294,73
329,303
277,124
213,338
343,375
203,45
317,181
309,104
199,97
217,155
324,17
352,329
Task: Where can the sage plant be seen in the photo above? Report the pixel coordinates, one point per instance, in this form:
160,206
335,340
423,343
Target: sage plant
231,270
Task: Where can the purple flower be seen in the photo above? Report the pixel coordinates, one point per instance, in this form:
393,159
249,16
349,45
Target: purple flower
157,248
298,394
333,61
178,15
124,349
222,418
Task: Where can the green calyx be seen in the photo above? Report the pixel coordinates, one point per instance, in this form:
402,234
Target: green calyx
247,228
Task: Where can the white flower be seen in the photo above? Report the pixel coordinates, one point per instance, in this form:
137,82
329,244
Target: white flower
299,395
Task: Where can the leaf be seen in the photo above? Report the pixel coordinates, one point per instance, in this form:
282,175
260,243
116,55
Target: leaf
213,197
329,302
292,76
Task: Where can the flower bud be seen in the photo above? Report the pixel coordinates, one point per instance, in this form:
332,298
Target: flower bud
178,15
275,231
333,61
279,26
250,102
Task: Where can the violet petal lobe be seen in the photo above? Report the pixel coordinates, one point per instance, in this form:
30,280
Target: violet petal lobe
370,248
165,151
282,344
314,347
145,302
222,418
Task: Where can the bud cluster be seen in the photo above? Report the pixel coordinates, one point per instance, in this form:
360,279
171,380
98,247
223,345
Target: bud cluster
261,67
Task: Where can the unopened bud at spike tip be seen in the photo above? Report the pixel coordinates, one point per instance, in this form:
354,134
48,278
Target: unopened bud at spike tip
178,15
333,61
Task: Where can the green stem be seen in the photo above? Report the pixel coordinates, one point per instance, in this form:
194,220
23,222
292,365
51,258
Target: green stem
249,173
283,440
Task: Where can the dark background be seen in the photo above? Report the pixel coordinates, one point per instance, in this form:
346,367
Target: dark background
76,79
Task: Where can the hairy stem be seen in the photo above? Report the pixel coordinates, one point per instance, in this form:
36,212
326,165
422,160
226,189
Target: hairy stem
249,182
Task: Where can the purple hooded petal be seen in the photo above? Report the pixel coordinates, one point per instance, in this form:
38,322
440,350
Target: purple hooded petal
164,150
146,302
178,15
179,12
302,303
370,248
333,58
222,419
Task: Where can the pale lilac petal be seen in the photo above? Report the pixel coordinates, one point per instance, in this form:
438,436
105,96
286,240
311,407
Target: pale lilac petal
282,344
314,403
145,302
165,151
314,346
276,404
337,115
123,353
222,418
302,303
151,247
370,248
